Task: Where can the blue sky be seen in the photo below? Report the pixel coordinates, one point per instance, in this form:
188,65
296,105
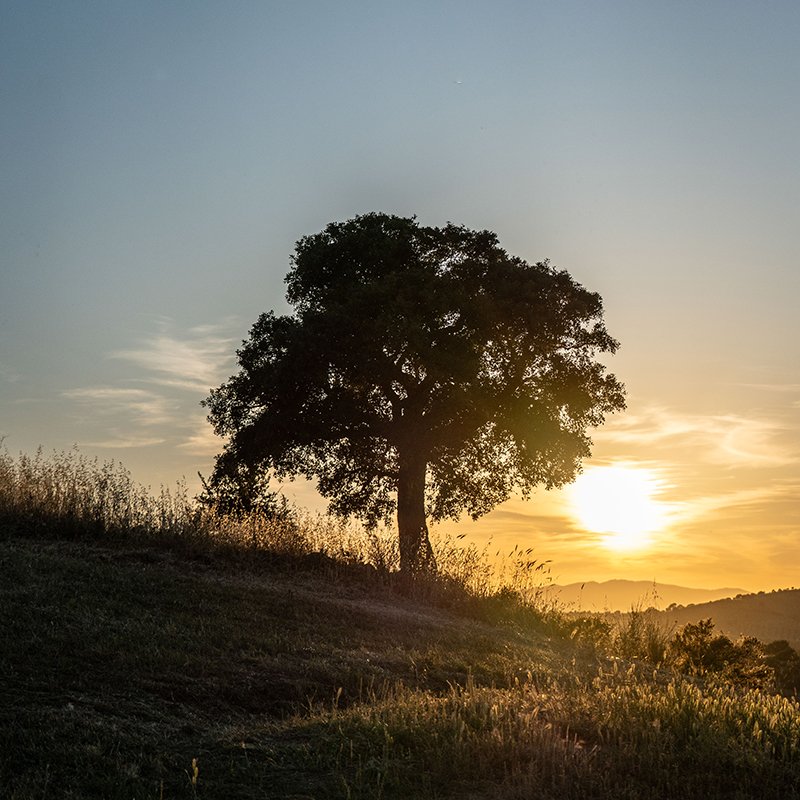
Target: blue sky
161,159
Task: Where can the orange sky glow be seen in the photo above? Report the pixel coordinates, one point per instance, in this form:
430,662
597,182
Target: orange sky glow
161,160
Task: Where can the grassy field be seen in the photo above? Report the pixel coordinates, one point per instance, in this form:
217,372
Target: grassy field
156,663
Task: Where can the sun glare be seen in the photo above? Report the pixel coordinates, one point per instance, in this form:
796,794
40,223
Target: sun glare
620,502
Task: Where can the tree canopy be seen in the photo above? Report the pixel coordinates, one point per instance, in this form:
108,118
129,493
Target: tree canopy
424,372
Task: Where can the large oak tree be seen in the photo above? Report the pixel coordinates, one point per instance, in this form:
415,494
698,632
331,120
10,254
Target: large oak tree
424,372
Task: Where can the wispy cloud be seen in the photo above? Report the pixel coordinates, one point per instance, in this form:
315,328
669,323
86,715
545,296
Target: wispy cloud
202,440
196,361
160,404
727,439
734,502
140,406
123,442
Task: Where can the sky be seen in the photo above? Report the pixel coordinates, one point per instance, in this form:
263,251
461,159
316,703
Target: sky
160,160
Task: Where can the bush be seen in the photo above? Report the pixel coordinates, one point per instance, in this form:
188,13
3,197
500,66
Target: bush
785,662
696,650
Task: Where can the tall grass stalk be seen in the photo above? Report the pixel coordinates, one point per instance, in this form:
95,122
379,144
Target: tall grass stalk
621,734
593,727
68,495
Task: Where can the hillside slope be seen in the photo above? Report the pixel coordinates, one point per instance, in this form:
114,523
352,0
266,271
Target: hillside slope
137,672
129,663
767,616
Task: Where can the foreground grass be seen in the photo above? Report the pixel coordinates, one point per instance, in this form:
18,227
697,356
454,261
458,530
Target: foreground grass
153,649
120,666
133,673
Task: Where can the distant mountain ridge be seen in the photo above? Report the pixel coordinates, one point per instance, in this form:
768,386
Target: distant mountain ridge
767,615
623,595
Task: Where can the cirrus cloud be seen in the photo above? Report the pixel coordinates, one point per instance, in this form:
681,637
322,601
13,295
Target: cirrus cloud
195,361
722,439
159,403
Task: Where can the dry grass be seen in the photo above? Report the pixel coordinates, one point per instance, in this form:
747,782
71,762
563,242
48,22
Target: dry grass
152,649
67,495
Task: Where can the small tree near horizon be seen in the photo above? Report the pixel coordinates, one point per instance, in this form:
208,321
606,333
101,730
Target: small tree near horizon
423,373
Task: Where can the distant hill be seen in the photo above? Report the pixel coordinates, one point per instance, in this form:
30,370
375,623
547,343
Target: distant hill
767,616
621,595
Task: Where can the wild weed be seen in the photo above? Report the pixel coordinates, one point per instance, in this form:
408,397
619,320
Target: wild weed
640,635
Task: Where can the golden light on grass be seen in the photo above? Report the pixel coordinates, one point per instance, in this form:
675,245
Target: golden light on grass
620,502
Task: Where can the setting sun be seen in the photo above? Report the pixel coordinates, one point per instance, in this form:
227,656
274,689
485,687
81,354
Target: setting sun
619,501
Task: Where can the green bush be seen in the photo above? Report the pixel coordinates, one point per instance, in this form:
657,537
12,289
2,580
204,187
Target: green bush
785,662
697,650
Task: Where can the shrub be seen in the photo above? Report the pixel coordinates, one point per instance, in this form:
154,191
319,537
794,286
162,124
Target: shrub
696,650
785,662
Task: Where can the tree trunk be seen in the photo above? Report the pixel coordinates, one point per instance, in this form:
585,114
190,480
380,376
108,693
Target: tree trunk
416,554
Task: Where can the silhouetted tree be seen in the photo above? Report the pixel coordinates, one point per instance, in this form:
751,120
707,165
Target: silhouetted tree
424,371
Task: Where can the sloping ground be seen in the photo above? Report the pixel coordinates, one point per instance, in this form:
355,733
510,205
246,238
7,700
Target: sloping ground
767,616
133,673
118,667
